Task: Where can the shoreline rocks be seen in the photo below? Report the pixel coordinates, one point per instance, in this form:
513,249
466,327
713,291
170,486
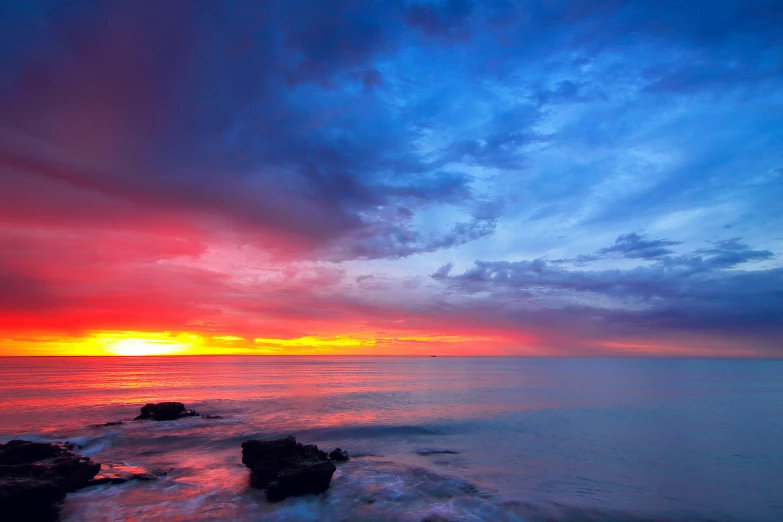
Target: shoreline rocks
287,468
165,411
338,455
36,475
161,411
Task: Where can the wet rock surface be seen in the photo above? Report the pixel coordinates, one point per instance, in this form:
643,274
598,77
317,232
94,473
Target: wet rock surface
121,473
165,411
36,475
285,467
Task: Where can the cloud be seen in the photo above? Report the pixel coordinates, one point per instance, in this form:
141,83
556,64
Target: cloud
730,253
247,112
696,292
392,240
637,246
21,293
243,112
567,91
443,272
446,20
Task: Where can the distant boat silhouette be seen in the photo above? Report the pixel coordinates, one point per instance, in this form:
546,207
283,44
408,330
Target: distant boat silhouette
433,355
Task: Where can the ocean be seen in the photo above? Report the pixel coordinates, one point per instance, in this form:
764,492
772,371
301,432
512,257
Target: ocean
466,438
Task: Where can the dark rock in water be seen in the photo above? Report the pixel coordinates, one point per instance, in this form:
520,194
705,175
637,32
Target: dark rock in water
435,518
286,467
164,411
113,423
304,479
338,455
211,417
36,475
428,452
121,473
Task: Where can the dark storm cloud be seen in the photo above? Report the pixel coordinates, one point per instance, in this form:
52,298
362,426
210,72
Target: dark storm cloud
207,106
252,109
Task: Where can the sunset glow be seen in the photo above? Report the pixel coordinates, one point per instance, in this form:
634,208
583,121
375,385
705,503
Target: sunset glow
132,343
390,179
136,343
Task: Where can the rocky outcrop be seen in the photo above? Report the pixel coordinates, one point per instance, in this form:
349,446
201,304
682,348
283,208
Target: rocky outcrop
165,411
287,468
36,475
338,455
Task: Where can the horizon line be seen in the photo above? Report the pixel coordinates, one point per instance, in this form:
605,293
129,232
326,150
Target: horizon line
431,356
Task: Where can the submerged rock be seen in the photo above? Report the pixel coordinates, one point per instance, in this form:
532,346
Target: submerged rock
338,455
286,467
36,475
121,473
435,517
164,411
211,417
112,423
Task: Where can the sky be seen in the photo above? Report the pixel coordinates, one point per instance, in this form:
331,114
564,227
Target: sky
553,177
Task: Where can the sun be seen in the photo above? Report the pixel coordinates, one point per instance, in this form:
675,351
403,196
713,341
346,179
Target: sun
142,347
140,344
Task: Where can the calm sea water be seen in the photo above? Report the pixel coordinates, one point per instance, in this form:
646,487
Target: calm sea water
527,438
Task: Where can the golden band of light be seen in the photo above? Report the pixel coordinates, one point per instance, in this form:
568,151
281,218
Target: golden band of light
134,343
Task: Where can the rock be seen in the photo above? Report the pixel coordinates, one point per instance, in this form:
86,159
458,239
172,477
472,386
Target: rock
121,473
338,455
211,417
113,423
36,475
302,480
286,467
435,518
164,411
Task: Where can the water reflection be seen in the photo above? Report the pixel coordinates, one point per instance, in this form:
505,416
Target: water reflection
667,436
